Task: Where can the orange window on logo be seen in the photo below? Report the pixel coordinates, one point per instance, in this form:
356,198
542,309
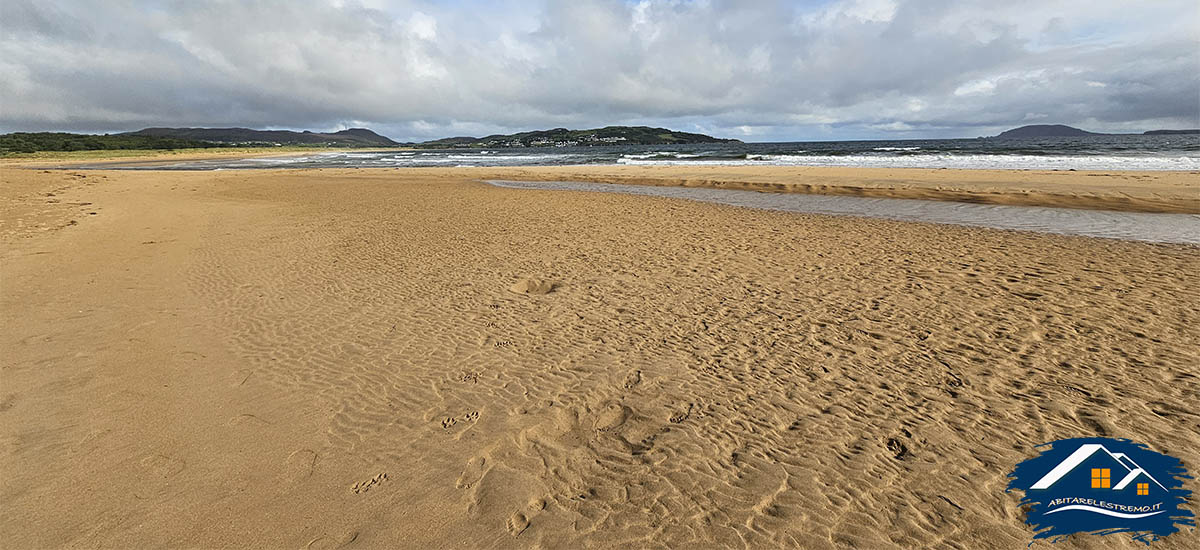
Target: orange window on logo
1101,478
1143,488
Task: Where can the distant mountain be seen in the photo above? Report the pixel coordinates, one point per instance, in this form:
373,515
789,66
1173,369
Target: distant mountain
562,137
1045,130
353,137
1171,132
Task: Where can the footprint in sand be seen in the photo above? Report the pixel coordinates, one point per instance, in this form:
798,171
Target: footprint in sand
472,473
532,286
299,465
682,415
632,380
517,524
162,466
611,416
898,449
519,521
249,419
326,542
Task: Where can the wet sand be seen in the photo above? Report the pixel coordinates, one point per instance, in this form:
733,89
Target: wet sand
1131,226
1163,192
412,358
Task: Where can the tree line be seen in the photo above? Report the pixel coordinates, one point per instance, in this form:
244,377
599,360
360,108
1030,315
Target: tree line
33,142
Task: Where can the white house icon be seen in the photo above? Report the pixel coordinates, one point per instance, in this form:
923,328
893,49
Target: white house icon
1086,451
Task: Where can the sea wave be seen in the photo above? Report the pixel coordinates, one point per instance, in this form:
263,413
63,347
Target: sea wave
971,161
1135,153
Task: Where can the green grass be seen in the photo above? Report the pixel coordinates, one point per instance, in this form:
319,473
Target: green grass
192,151
86,146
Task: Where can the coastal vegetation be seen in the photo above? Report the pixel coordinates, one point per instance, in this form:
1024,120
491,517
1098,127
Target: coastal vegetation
173,139
33,142
562,137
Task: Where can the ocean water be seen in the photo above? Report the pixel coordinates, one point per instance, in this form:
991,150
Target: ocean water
1124,152
1158,228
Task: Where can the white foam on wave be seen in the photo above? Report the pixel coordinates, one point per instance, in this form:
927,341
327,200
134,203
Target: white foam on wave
277,160
1006,162
489,160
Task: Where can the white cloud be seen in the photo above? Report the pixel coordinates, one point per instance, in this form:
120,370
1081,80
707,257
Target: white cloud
422,26
975,87
416,68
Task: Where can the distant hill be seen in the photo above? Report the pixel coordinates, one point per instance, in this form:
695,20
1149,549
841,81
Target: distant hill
354,137
1171,132
1045,130
562,137
33,142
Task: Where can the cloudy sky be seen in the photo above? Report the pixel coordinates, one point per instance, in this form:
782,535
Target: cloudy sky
757,70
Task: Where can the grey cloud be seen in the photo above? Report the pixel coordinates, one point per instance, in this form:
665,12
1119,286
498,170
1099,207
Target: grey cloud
768,70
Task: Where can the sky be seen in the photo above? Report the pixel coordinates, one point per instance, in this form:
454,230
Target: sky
754,70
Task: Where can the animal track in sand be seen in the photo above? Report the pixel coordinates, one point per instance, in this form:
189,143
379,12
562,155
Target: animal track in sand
452,420
364,486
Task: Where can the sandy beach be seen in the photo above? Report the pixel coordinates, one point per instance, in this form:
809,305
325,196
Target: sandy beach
415,359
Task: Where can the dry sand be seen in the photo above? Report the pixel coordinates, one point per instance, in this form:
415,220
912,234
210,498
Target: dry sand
363,358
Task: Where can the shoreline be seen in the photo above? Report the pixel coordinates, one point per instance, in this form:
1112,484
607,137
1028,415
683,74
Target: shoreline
1121,191
1155,192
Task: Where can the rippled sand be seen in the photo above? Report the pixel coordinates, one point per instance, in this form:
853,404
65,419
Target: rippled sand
413,359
